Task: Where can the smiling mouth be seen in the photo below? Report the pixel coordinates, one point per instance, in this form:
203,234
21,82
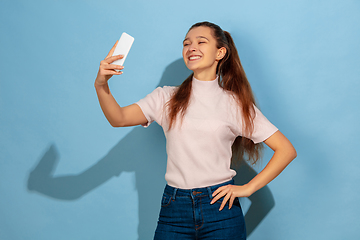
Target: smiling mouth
193,58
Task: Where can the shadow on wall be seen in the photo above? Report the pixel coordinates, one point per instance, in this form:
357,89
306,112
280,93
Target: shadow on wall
149,166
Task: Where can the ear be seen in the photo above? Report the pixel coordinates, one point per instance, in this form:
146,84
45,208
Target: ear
221,53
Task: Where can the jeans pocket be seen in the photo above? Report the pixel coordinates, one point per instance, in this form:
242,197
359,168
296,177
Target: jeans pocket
236,202
166,200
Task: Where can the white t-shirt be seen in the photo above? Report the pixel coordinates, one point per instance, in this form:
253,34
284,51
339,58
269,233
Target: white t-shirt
199,146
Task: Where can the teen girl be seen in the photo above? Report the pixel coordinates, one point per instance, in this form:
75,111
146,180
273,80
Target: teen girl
210,113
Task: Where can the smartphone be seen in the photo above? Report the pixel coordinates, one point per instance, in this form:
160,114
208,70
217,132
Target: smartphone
123,48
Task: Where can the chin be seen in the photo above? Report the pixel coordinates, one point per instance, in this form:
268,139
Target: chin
191,67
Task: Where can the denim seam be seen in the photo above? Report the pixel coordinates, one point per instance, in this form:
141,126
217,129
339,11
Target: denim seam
210,193
174,194
202,216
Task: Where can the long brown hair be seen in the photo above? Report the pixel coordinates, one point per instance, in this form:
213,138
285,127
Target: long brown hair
232,77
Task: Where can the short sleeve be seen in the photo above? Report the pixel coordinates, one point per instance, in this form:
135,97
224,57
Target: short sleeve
263,128
153,104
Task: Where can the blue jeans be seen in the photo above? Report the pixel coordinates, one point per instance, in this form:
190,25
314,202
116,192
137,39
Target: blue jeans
188,214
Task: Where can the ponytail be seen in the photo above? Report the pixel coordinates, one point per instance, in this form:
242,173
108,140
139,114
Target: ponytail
233,78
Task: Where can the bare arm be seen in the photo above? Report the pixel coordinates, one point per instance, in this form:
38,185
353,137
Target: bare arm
117,116
284,153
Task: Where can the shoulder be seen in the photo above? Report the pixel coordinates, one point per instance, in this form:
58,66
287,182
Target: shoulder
169,89
161,93
165,91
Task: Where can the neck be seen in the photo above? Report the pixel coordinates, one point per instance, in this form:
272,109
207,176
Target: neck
204,75
205,87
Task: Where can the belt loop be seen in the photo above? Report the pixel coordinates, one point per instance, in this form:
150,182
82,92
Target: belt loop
210,192
174,194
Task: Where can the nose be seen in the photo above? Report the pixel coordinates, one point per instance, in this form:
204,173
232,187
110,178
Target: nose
192,48
191,51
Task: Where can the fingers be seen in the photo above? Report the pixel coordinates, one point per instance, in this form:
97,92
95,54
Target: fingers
104,67
226,198
113,58
107,69
111,72
217,195
231,201
112,66
226,192
112,49
106,64
225,189
218,190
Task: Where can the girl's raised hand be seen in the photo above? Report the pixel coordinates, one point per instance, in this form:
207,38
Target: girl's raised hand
107,69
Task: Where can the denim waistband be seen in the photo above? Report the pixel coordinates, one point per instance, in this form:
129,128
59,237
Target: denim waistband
195,192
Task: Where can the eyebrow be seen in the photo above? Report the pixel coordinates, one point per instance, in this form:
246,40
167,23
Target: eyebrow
196,37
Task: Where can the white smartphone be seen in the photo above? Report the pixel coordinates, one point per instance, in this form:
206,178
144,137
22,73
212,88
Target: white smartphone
123,48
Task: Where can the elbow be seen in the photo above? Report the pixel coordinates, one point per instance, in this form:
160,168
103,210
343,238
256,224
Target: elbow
289,153
116,123
293,153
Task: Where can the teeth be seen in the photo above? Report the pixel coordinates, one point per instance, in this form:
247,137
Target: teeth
194,57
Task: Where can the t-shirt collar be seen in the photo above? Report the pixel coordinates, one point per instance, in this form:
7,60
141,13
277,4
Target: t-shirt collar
205,87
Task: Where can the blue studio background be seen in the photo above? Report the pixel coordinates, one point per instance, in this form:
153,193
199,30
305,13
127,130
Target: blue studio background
65,173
